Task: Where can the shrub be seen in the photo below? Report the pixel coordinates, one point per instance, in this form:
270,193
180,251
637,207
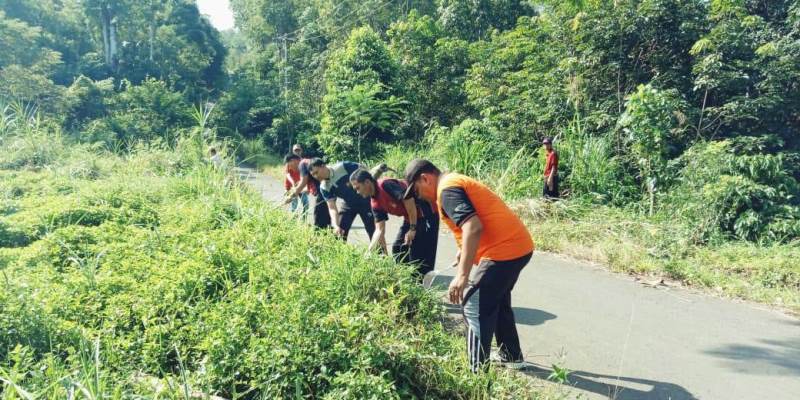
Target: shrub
156,273
724,189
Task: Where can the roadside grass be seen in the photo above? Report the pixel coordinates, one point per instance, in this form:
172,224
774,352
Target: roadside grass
626,240
638,245
154,275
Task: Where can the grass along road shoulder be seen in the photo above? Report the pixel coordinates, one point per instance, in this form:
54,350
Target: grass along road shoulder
625,243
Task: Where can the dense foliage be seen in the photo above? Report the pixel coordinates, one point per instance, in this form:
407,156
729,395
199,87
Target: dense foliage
152,274
632,90
129,266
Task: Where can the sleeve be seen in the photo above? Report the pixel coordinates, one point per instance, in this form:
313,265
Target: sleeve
394,189
456,205
378,211
304,171
327,193
350,167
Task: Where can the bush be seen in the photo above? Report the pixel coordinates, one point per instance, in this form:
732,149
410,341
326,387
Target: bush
141,113
726,190
590,171
157,274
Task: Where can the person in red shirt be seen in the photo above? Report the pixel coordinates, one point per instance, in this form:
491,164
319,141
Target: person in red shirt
292,180
322,219
418,236
550,170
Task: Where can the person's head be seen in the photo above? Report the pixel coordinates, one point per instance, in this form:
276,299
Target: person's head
547,143
363,182
423,180
212,152
319,170
297,150
291,161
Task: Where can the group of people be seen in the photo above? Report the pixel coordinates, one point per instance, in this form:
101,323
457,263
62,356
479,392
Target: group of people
493,243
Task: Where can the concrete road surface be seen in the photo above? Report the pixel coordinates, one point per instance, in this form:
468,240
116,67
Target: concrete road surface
624,340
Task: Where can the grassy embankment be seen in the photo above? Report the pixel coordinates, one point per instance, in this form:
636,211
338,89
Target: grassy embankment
151,274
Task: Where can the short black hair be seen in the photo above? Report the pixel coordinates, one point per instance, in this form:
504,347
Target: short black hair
290,157
361,175
316,162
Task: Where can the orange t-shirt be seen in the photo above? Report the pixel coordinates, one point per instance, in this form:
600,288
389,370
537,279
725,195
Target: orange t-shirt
504,236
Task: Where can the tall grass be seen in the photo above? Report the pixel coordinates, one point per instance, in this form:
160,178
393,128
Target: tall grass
603,218
472,149
160,275
631,242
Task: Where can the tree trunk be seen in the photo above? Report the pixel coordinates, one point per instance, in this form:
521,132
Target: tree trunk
105,21
113,42
152,34
152,29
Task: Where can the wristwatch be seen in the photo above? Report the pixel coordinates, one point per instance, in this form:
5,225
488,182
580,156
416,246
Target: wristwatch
412,227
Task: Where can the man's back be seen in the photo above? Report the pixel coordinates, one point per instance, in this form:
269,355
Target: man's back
338,184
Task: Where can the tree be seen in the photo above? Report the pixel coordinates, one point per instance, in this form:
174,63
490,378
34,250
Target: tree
362,100
433,68
26,66
356,115
473,20
650,119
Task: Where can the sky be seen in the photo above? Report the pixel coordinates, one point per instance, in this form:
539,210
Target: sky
218,11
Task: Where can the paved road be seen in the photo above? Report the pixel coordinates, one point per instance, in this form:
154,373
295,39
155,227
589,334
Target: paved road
625,340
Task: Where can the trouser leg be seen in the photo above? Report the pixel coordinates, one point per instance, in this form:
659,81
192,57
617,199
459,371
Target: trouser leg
322,218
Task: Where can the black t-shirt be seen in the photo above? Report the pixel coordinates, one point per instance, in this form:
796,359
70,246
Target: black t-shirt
456,205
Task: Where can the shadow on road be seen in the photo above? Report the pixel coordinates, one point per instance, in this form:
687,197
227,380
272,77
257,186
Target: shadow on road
617,388
531,316
773,357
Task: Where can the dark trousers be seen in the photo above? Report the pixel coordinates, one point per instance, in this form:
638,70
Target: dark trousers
488,313
322,218
422,251
347,214
551,194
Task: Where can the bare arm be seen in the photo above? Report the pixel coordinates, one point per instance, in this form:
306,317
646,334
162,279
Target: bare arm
379,237
411,210
334,212
298,188
471,236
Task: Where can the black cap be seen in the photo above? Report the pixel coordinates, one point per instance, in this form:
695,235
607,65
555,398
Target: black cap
547,140
414,169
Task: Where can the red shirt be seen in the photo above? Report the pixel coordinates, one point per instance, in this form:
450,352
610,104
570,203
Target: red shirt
388,199
292,177
552,163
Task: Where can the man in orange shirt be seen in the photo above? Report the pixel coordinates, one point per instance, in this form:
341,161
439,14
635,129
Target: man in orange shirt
490,237
550,170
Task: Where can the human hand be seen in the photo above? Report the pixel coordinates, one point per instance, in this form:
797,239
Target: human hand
410,235
456,290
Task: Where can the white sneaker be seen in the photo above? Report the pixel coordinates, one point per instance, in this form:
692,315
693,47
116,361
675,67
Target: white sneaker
515,365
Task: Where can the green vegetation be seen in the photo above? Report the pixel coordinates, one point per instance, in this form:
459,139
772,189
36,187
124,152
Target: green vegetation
153,274
129,265
676,121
